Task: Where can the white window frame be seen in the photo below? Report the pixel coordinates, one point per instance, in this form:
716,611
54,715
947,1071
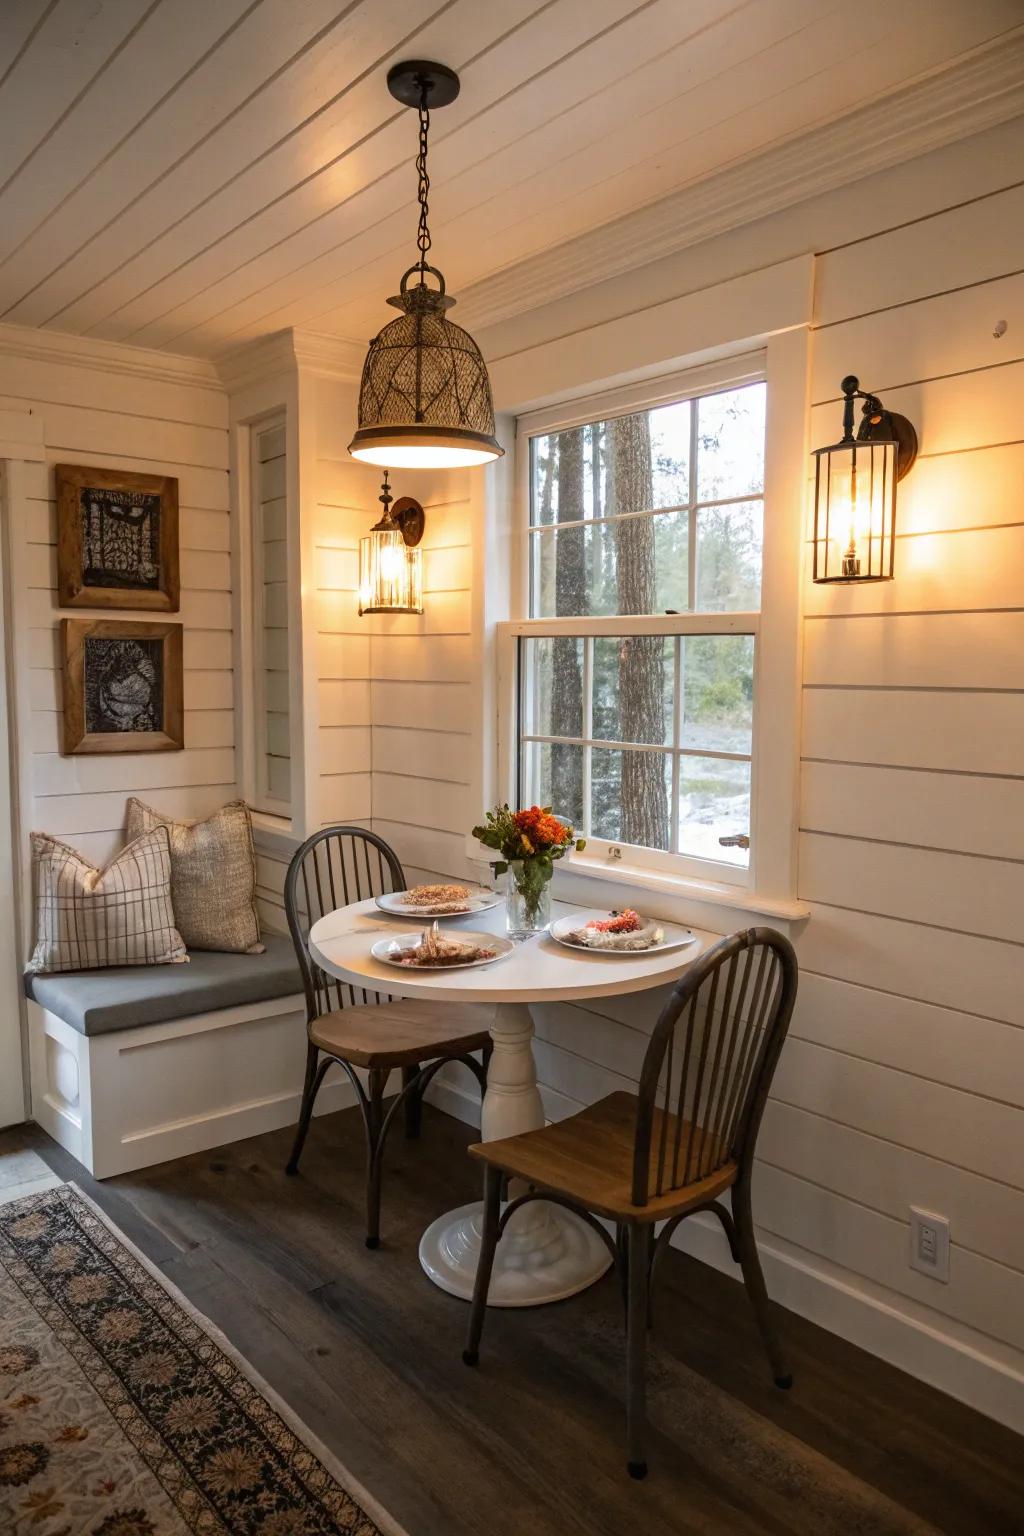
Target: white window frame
771,873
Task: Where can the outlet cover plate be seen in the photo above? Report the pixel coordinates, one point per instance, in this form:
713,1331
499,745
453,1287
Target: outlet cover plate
929,1243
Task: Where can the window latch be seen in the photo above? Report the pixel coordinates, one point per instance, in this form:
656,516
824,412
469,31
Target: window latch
737,840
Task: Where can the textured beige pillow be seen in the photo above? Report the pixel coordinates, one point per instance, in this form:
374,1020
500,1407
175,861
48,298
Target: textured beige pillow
213,876
88,918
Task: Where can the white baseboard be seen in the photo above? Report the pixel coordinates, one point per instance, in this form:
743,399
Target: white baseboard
855,1309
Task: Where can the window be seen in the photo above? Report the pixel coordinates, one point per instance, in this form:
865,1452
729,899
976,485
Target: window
637,665
271,714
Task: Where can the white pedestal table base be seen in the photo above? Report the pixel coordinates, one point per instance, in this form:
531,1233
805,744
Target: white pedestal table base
546,1253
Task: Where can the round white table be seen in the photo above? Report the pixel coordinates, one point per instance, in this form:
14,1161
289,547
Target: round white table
546,1252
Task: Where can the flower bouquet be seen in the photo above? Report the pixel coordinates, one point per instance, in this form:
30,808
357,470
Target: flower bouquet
529,841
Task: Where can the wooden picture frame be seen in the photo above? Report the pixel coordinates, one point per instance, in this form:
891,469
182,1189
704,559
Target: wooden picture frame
117,539
128,675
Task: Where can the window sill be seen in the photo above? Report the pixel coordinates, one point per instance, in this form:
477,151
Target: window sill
736,898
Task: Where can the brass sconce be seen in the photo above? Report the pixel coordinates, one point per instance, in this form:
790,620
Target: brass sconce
855,491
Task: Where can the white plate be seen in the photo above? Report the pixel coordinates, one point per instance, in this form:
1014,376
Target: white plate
476,901
675,937
386,949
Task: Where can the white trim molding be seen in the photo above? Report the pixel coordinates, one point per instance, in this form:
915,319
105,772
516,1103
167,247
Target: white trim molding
980,91
24,341
253,362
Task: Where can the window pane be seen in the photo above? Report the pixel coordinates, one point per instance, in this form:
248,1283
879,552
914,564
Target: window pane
670,454
630,796
552,686
718,692
553,775
730,443
633,689
567,475
714,802
729,557
573,572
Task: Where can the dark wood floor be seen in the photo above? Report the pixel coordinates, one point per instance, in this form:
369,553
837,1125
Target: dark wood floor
368,1353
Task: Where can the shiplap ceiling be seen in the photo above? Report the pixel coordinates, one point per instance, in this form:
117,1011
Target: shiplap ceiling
189,174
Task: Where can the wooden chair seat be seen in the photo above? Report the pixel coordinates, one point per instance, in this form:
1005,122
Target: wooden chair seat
588,1158
401,1034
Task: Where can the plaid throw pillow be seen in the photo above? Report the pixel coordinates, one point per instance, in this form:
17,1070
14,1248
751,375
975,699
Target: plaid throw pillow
89,918
213,876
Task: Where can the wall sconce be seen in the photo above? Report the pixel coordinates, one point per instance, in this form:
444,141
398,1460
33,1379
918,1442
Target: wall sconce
390,560
855,491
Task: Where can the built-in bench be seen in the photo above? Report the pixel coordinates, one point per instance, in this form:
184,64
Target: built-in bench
135,1065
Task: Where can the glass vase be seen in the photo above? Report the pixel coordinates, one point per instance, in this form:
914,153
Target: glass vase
527,899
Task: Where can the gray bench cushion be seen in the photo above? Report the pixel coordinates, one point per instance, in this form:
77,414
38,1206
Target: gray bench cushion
98,1002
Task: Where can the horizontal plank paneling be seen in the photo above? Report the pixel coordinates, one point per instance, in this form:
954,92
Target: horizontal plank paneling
950,333
984,1294
345,797
344,749
66,815
397,658
206,489
985,1216
928,1117
199,610
950,890
960,812
344,703
56,775
976,1055
953,248
978,568
445,706
204,690
424,754
934,965
961,732
428,847
957,650
343,656
420,802
77,429
973,489
70,384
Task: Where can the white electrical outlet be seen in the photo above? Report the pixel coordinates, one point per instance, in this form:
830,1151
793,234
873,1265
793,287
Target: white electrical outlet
929,1244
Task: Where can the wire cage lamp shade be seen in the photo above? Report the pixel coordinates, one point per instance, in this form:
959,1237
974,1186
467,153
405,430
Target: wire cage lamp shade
855,492
425,397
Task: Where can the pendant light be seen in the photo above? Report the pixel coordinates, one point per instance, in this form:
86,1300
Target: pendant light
855,491
425,398
390,560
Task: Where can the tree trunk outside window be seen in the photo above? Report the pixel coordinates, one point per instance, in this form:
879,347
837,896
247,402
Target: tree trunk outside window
645,818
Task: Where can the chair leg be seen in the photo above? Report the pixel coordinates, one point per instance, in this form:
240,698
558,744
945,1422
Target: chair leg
413,1104
374,1113
636,1348
482,1284
309,1093
753,1278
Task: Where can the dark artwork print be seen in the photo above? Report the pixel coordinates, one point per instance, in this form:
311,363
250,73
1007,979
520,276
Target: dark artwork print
124,685
120,538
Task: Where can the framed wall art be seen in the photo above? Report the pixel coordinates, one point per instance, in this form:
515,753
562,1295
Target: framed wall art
122,686
117,539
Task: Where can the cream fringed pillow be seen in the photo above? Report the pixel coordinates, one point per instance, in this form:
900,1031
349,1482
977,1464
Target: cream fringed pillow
89,918
213,876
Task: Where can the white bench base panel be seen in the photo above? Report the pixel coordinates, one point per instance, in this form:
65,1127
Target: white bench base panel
141,1096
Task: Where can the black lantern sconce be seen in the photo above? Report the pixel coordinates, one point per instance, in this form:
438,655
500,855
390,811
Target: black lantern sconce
390,559
855,491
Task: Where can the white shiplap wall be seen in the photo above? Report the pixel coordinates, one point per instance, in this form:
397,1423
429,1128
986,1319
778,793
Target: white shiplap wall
903,1080
139,418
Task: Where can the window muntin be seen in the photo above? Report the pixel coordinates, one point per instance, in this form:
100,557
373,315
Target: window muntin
646,737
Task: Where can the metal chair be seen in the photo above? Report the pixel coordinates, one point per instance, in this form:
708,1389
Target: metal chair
360,1029
668,1151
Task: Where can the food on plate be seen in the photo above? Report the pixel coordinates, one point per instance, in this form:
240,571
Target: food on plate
619,930
437,898
436,948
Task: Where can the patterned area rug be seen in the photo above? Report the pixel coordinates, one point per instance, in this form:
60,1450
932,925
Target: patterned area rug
125,1413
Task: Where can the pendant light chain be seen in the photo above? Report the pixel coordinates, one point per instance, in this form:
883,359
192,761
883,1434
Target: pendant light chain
423,233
